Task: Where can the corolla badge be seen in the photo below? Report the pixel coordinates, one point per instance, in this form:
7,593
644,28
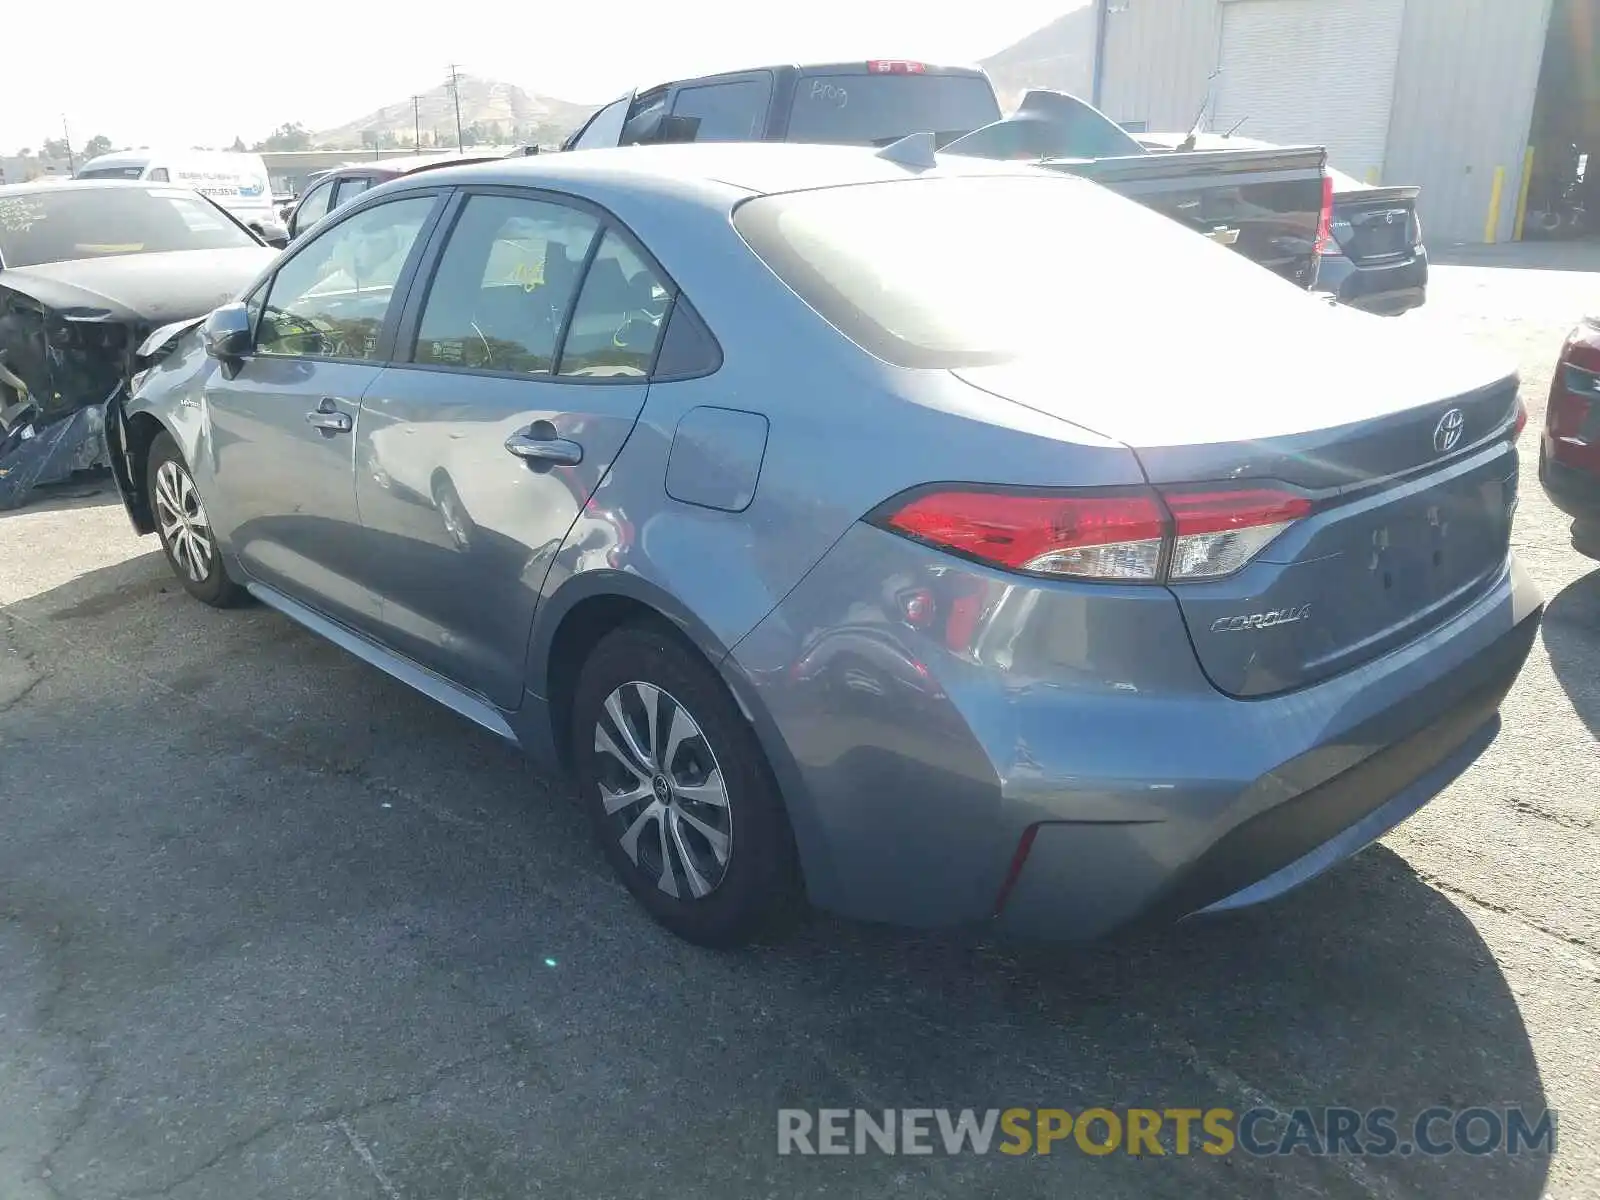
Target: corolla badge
1261,620
1447,433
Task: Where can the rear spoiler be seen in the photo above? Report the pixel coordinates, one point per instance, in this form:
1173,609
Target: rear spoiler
1045,125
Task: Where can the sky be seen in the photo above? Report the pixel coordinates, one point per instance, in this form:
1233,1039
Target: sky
200,75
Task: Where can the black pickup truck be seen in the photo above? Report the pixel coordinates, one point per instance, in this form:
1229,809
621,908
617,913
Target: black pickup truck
1273,206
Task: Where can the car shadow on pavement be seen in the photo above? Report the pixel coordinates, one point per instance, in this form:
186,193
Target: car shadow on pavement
1581,254
1572,636
272,924
86,489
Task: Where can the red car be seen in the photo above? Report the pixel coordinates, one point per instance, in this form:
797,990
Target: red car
1569,452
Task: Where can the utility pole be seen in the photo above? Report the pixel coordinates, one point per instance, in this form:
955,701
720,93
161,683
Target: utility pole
66,136
455,92
416,122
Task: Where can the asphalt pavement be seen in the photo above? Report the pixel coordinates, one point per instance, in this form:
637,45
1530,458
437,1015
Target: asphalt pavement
271,925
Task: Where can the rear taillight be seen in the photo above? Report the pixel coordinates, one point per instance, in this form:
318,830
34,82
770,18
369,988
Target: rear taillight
1216,533
894,66
1122,536
1324,240
1108,536
1521,422
1572,419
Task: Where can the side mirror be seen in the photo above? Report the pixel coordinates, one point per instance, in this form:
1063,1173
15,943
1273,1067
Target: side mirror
274,235
227,333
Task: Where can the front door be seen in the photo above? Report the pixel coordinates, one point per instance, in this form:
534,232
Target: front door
475,458
283,427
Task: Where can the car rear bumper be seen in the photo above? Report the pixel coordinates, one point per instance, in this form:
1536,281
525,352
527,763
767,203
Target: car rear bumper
1387,289
1574,491
1031,779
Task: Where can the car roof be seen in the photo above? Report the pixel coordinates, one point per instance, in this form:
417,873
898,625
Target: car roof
48,183
856,66
404,166
731,168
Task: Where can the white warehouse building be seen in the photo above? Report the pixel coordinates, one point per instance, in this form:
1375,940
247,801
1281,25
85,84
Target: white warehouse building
1448,94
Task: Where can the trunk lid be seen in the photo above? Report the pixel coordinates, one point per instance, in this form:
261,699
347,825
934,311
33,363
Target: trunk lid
1402,443
1376,225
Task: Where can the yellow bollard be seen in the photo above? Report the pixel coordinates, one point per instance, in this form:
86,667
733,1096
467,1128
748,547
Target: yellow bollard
1491,226
1522,195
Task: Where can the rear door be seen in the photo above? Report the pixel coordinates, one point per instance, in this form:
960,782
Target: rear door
522,367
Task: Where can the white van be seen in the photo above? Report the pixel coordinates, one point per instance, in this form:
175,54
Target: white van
238,182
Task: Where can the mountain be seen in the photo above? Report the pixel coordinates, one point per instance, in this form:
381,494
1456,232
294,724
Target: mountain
1060,57
501,111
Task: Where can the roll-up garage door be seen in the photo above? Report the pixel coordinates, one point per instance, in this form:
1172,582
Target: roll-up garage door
1311,72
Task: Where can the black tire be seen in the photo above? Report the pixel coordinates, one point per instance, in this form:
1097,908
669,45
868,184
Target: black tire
757,894
210,583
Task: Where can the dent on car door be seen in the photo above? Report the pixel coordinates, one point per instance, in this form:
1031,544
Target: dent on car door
530,351
282,421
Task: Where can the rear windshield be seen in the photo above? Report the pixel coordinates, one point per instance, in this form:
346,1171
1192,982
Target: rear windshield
960,271
865,110
111,172
70,222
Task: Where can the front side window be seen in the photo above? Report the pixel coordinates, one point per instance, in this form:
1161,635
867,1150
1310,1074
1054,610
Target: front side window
331,299
504,284
314,207
726,112
617,321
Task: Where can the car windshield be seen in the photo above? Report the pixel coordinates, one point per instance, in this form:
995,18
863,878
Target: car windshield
865,109
129,172
963,271
70,222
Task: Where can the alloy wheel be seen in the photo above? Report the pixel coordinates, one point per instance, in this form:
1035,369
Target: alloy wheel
183,523
663,790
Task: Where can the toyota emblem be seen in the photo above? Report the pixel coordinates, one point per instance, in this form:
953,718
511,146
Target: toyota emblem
1447,433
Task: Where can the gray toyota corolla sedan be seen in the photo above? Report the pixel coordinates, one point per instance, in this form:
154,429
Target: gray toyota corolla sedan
949,543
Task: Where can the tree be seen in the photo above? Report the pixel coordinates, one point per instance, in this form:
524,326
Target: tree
289,136
238,146
54,148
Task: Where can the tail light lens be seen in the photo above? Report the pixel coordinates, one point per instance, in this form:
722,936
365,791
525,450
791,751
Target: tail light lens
1124,536
1325,218
1216,533
1107,536
1572,419
1521,422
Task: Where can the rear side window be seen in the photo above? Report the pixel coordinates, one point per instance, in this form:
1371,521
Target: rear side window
871,110
734,111
617,321
504,284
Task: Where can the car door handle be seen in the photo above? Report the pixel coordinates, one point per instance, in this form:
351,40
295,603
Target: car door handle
327,417
553,450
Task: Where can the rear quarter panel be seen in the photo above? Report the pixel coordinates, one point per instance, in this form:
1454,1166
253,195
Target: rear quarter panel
845,433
